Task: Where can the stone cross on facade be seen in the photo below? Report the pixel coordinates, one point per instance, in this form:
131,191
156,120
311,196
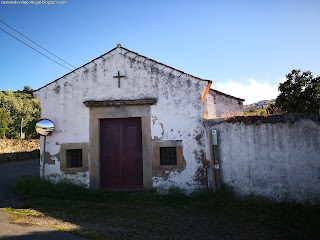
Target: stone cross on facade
118,76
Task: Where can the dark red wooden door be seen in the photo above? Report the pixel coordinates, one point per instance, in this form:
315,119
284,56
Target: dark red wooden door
121,153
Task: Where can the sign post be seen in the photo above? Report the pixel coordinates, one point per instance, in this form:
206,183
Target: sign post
44,127
213,143
216,165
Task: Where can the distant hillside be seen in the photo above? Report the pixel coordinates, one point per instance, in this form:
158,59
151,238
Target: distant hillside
258,105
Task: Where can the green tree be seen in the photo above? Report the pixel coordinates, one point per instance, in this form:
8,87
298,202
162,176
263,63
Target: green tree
27,89
3,123
17,106
300,93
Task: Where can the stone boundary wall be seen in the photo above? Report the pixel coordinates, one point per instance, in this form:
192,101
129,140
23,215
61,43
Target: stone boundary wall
276,156
13,149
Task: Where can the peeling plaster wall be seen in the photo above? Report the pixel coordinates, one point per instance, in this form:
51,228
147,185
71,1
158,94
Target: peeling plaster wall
209,107
177,114
181,121
222,105
276,156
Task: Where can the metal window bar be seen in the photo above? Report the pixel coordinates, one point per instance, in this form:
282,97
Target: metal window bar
168,156
74,158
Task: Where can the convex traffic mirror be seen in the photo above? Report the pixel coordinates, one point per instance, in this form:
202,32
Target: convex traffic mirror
44,127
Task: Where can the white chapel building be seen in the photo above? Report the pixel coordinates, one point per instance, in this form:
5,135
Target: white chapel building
126,121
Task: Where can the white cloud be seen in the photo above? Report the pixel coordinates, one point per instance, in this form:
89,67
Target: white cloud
252,92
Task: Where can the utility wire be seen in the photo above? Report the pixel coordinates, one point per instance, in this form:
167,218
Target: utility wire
35,49
36,43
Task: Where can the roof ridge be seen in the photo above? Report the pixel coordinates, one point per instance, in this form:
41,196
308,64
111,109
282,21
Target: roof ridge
77,69
214,90
120,46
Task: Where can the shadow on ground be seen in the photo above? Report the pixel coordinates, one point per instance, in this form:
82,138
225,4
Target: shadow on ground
47,235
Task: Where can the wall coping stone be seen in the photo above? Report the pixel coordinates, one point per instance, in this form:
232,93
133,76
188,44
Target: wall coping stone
247,120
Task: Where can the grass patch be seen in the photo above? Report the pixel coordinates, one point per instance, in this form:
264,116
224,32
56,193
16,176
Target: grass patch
103,214
24,212
89,234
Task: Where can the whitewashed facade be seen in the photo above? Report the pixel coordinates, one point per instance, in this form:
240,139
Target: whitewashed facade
223,105
77,101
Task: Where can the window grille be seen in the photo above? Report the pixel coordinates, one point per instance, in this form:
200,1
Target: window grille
74,158
168,156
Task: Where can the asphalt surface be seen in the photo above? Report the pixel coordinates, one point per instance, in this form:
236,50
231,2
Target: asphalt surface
9,172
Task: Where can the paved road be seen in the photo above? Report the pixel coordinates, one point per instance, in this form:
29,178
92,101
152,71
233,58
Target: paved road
9,172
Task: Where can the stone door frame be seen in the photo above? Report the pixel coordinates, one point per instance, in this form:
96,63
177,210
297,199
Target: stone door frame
110,109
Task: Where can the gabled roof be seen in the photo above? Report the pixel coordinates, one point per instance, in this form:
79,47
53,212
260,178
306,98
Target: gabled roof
227,95
119,46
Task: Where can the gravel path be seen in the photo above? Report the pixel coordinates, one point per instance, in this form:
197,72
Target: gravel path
122,221
10,231
113,221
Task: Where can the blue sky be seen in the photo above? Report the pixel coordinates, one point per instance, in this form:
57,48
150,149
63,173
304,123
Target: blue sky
245,47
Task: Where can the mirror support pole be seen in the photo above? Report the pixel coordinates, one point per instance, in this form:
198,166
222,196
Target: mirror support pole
43,156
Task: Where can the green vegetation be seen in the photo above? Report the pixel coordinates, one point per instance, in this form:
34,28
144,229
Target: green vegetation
18,108
268,110
300,93
150,212
3,123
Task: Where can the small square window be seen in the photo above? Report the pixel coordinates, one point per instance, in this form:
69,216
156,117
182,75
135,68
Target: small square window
168,156
74,158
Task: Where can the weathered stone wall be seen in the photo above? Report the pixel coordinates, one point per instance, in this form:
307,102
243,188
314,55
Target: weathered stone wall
14,145
12,149
276,156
